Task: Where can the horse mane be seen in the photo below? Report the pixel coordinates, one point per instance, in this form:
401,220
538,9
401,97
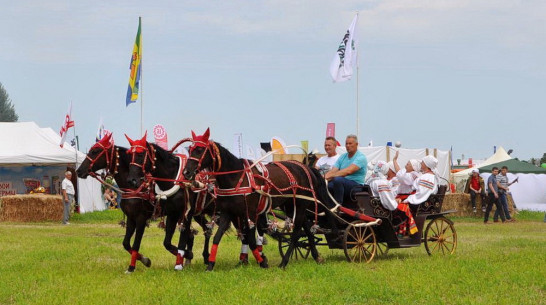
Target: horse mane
229,160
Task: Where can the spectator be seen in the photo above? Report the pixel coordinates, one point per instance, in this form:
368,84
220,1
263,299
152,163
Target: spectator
67,189
475,186
110,197
348,171
325,163
493,191
502,183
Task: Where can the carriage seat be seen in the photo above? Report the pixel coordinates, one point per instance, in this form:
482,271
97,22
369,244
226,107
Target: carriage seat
372,205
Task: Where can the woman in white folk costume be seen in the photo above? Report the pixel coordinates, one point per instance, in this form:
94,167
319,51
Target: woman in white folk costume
380,184
425,185
407,176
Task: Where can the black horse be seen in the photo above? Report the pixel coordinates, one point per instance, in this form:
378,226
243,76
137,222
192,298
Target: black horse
181,202
247,191
164,169
105,155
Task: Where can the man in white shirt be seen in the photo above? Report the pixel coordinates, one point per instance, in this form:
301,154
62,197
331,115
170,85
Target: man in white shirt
67,190
325,163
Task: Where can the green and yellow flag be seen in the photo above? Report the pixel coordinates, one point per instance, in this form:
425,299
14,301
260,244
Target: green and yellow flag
135,67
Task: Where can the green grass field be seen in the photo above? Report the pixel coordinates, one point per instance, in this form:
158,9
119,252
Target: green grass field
84,263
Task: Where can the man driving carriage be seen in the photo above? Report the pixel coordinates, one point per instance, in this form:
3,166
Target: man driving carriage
348,171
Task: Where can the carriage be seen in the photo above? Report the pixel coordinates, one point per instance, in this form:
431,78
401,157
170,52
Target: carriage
366,229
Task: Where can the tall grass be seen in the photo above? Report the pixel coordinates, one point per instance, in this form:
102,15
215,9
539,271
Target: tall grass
84,263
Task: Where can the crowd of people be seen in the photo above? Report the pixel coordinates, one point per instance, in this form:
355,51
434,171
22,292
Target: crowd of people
397,187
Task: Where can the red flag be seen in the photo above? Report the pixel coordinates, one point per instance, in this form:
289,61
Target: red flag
331,130
67,124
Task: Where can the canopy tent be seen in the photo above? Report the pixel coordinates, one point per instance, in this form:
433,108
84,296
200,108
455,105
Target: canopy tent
515,167
528,193
31,156
459,178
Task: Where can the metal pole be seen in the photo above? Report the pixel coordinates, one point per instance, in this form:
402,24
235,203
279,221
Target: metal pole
357,106
141,78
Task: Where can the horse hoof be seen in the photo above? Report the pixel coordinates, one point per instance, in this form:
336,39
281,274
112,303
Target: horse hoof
178,267
265,262
129,271
146,261
187,262
210,266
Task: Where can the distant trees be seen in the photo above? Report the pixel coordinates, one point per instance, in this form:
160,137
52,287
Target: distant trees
7,111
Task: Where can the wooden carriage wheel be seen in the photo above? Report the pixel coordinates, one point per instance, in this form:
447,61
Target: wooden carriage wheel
359,243
302,249
382,249
440,237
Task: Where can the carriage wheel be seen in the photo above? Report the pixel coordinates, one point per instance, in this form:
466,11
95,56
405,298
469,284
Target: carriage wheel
302,249
440,236
382,249
359,243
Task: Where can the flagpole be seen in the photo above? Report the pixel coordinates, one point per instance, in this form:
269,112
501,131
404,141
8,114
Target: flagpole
357,97
141,78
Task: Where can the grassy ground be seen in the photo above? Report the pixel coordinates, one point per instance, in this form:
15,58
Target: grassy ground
84,263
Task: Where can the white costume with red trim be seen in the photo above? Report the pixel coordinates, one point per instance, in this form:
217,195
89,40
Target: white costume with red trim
381,188
425,186
406,181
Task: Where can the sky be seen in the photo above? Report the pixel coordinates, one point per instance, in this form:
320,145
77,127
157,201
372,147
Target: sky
466,74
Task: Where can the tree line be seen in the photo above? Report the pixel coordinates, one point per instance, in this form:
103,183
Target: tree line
7,110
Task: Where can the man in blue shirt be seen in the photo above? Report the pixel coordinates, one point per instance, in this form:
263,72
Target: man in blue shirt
348,171
493,190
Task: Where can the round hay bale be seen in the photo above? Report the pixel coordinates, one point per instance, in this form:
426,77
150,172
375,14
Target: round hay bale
31,208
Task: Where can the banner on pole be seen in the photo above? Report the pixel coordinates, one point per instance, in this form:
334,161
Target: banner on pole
160,136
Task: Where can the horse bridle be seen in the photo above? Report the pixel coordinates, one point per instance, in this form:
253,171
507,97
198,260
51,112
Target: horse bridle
108,151
149,155
212,149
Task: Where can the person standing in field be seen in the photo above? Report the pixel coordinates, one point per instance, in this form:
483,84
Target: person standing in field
493,190
67,189
503,184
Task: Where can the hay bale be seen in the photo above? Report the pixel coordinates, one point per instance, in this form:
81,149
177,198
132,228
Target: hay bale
30,208
461,203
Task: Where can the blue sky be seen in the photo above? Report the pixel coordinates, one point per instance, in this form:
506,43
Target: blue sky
436,74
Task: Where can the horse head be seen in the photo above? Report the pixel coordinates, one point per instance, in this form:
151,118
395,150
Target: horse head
199,158
100,156
142,160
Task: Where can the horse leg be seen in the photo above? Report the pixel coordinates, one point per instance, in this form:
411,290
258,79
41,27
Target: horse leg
129,231
140,227
222,227
202,221
170,226
311,238
260,239
294,237
251,237
182,243
243,256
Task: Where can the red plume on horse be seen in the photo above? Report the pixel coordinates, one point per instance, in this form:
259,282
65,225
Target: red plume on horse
137,146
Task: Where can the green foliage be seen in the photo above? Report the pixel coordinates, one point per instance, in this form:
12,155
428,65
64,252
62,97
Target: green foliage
84,263
7,111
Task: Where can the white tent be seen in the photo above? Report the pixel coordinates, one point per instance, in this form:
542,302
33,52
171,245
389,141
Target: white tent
30,150
460,178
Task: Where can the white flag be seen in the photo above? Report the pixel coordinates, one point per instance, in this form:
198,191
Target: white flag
67,124
238,145
100,131
341,67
